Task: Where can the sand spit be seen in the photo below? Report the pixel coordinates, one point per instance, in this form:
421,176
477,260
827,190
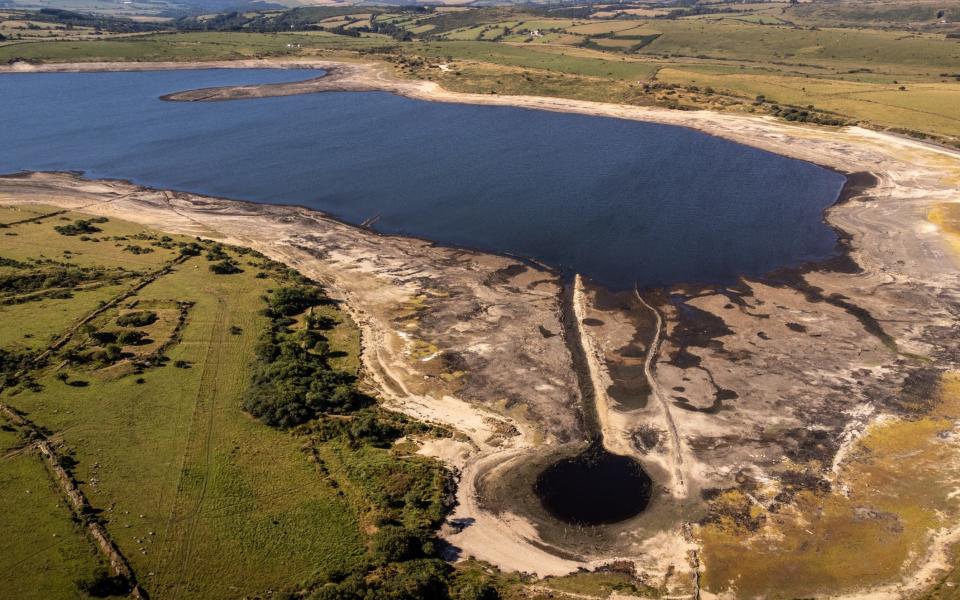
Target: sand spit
783,370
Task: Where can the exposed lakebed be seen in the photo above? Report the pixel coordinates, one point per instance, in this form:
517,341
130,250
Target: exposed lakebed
625,203
621,202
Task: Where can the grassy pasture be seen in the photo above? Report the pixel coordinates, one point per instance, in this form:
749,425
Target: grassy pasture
884,13
618,43
37,240
531,24
38,323
420,29
566,60
932,107
467,33
891,50
43,550
205,501
229,499
9,214
601,27
188,46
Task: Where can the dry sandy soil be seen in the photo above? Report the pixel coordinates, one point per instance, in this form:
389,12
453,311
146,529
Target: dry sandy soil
763,389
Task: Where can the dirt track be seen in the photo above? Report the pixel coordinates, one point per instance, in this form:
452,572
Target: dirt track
806,350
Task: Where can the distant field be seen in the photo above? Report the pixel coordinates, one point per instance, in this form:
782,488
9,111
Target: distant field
926,106
889,50
572,60
602,27
792,54
187,46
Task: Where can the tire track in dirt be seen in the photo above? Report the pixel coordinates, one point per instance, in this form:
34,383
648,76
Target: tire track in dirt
649,364
185,514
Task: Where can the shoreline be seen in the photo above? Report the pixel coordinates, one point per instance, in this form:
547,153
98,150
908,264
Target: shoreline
905,267
358,77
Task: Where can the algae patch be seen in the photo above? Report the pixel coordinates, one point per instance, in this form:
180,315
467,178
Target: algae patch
946,216
897,487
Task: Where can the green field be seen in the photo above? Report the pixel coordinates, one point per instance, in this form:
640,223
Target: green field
49,551
204,500
569,60
187,46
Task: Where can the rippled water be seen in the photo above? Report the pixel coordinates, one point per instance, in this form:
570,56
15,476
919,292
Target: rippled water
619,201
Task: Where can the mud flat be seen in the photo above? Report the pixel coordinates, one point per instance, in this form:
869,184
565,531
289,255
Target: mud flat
765,398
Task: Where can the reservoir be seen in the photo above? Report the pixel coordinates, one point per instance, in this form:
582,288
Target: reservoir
621,202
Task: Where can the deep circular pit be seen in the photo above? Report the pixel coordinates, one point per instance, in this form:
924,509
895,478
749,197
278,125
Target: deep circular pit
594,488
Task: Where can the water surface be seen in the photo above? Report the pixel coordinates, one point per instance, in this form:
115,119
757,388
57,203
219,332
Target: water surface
619,201
594,488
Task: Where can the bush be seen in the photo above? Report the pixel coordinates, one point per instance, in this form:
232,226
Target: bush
191,249
289,301
217,253
424,579
140,318
65,277
112,353
135,249
104,337
370,429
131,337
395,544
79,227
225,267
103,585
473,586
291,383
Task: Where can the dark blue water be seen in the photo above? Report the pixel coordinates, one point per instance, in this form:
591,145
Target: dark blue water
619,201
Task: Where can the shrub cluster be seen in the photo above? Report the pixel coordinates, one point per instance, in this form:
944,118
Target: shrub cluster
80,226
10,363
804,116
140,318
225,267
135,249
423,577
292,381
293,384
31,281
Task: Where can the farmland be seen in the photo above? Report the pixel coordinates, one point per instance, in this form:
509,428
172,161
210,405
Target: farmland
883,68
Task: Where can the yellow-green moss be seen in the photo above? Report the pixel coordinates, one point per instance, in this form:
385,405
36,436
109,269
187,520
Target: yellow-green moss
891,494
